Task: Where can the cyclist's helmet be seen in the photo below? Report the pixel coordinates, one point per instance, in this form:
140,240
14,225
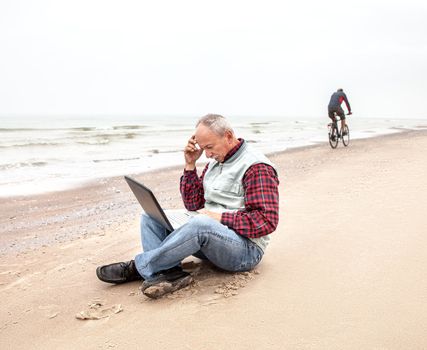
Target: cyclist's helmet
340,90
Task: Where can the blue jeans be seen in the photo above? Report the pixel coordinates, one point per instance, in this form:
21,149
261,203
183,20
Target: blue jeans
202,237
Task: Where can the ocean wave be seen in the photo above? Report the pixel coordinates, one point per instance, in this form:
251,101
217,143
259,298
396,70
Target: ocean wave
127,127
30,144
16,129
82,128
89,139
115,159
22,165
128,135
113,127
157,151
260,123
101,139
75,128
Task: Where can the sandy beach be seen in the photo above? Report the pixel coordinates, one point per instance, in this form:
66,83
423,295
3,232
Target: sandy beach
346,268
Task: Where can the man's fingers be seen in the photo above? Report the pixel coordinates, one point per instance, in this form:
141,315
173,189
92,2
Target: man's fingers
191,144
190,148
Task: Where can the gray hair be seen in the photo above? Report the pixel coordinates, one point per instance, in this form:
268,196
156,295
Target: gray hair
217,123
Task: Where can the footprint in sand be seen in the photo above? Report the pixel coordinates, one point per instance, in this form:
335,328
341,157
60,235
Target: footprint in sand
97,310
50,311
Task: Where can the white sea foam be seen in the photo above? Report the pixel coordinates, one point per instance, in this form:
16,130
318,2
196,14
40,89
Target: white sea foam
52,153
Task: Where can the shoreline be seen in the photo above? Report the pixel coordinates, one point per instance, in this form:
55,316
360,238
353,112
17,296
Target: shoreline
105,179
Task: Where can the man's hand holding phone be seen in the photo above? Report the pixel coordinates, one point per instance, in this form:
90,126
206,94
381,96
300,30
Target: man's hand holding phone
192,153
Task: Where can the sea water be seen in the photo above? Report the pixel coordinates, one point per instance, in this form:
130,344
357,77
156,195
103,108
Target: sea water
50,153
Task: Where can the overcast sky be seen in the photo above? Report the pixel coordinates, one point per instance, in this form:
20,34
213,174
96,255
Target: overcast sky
258,58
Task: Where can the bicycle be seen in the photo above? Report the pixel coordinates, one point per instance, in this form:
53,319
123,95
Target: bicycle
335,134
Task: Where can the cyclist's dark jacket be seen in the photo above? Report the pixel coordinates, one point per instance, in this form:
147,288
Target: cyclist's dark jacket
336,100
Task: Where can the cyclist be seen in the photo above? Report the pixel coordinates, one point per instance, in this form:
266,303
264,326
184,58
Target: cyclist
334,107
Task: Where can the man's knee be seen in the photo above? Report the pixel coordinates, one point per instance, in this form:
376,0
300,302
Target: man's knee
202,221
200,227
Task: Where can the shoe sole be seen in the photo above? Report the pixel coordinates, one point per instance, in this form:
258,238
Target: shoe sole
158,290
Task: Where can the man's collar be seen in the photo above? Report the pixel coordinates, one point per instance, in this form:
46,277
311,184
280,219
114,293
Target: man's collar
233,150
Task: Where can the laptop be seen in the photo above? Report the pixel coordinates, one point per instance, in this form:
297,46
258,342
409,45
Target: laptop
169,219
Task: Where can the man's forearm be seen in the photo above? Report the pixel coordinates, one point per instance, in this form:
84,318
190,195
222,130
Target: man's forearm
253,224
191,188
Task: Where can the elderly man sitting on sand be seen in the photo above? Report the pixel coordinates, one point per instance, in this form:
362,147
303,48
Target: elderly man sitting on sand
237,193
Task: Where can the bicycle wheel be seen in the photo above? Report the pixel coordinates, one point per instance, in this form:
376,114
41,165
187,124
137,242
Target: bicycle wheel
333,137
346,136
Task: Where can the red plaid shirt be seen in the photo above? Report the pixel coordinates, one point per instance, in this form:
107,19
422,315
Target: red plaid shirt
261,213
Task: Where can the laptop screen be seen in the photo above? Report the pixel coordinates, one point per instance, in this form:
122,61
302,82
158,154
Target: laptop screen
149,202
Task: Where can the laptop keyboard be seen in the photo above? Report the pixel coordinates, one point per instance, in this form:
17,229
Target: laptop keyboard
178,216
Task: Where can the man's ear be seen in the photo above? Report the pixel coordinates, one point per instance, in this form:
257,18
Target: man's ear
229,137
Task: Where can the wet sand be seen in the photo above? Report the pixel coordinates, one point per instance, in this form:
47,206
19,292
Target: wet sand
345,270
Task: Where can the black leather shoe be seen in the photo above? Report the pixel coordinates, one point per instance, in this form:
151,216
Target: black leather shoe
165,282
121,272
